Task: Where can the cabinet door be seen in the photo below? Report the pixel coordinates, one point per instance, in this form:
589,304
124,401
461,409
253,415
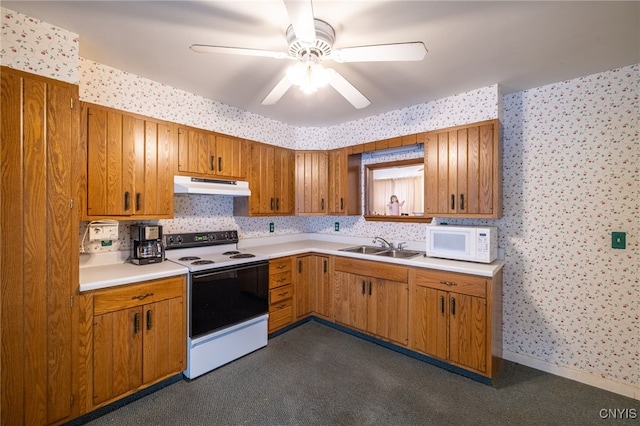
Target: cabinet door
154,178
196,151
338,181
319,286
462,171
163,339
39,134
284,181
467,331
302,286
262,182
388,311
311,182
117,353
351,299
429,319
111,162
230,158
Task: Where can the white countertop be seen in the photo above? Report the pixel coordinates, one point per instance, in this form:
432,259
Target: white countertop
317,244
111,269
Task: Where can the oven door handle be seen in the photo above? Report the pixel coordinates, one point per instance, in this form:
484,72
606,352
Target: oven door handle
227,272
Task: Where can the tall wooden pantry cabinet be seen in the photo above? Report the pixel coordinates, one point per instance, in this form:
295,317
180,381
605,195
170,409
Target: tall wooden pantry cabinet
39,250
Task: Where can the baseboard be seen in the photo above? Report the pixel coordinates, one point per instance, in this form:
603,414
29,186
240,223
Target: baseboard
573,374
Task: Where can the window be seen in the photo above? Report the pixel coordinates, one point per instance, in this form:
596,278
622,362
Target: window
394,191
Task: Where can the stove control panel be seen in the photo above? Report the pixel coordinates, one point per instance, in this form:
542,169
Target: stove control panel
199,239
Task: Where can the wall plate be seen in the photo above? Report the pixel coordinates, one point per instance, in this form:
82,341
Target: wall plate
619,240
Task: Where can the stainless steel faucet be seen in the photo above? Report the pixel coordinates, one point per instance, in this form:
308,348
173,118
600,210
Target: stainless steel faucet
383,241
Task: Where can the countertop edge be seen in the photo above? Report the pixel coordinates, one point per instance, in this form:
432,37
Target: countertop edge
112,275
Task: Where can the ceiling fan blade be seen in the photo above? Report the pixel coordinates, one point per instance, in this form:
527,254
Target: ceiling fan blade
346,89
414,51
301,18
278,91
205,48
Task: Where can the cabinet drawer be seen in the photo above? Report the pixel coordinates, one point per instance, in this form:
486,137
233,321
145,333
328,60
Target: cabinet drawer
281,293
277,266
278,280
458,283
117,298
280,315
372,269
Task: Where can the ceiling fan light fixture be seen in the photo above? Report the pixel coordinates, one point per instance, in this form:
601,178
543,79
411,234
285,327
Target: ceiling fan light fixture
308,76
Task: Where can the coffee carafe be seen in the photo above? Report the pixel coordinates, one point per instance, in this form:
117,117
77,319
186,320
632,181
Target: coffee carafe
147,244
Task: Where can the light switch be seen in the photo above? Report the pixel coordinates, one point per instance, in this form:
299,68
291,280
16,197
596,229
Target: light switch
619,240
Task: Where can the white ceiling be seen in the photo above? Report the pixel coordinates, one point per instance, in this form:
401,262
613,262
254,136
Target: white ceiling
474,44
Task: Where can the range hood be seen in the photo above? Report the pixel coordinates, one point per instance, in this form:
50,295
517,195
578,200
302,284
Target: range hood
197,185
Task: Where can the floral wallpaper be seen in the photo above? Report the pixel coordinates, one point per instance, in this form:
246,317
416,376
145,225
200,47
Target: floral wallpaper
571,177
31,45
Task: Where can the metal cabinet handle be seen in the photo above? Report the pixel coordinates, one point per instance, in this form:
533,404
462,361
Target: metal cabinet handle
322,204
449,283
453,306
370,285
272,203
341,203
149,315
277,204
142,296
363,284
461,201
299,266
325,266
138,199
219,164
127,200
136,323
442,305
281,266
453,201
212,165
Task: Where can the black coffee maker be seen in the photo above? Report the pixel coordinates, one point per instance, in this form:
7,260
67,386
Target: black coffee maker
147,244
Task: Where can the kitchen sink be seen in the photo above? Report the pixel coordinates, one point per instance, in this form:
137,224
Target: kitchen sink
400,254
364,249
383,251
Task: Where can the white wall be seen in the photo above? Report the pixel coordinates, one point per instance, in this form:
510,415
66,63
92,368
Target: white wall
571,160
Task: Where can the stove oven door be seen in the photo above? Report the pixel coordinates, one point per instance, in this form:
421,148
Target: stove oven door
222,297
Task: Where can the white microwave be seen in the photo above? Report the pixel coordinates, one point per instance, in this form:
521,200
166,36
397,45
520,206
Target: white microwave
470,243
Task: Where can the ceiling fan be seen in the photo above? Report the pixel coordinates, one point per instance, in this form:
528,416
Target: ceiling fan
311,42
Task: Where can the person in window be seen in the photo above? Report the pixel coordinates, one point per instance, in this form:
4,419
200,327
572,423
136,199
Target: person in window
394,206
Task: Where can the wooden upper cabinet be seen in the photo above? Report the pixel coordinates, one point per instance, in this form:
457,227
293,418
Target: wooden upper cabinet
345,194
271,173
129,164
206,153
312,195
463,172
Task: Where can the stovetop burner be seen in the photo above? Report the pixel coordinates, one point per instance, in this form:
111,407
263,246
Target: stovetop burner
229,253
242,256
188,258
202,262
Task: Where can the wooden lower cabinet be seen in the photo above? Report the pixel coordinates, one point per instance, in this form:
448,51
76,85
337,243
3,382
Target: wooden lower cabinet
313,287
281,292
372,297
453,318
139,337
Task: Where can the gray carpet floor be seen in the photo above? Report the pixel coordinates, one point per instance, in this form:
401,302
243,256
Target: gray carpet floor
317,375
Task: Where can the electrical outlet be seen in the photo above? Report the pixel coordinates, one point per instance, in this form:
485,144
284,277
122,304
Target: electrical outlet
619,240
271,227
336,226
